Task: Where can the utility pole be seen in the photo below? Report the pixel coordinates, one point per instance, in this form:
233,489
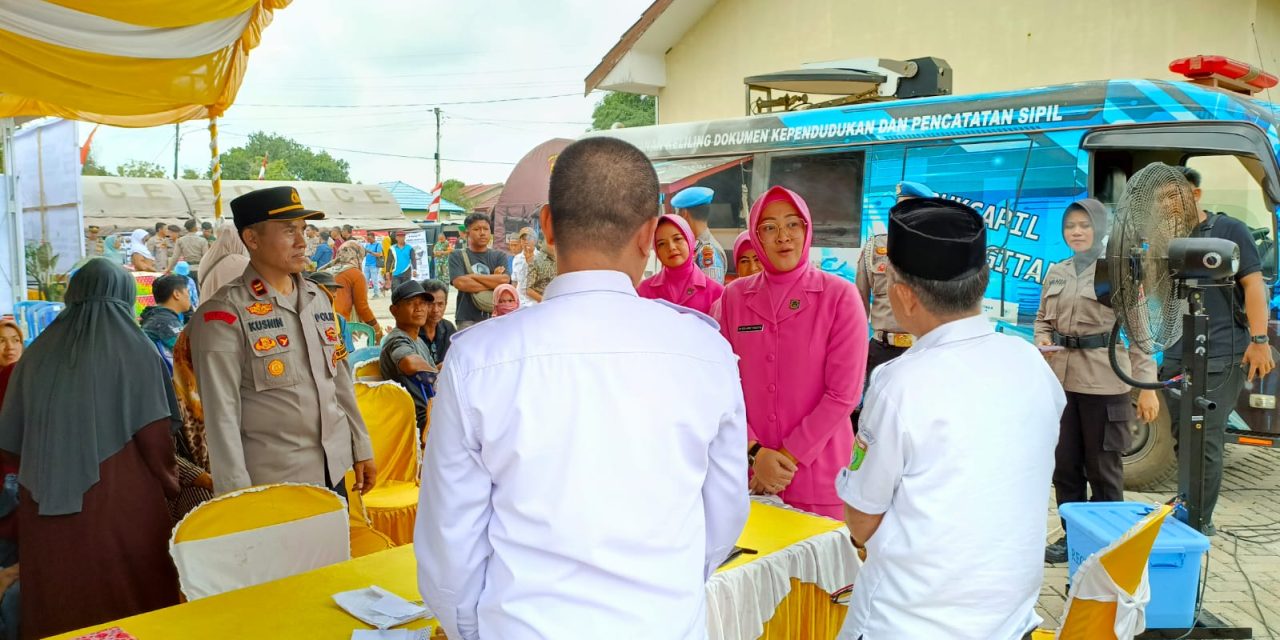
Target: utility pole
177,139
437,110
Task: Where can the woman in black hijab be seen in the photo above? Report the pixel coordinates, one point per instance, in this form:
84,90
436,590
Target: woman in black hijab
90,411
1072,328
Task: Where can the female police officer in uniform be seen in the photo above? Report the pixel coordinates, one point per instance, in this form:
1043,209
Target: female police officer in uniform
1072,329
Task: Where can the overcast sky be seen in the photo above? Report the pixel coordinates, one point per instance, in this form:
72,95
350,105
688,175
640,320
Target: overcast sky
382,53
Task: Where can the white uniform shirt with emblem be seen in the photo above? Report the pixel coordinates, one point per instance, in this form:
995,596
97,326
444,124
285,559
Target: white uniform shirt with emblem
585,471
955,448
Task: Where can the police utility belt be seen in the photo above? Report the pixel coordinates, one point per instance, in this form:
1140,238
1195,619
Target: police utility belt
891,339
1095,341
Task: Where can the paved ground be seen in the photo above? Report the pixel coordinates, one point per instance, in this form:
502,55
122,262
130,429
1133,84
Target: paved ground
1249,508
1244,562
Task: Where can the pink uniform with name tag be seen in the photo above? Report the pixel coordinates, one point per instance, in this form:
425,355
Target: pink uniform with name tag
801,337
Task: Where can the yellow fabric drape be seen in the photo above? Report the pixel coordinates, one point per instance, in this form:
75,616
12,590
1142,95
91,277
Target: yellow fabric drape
301,606
298,607
807,613
393,510
254,509
392,505
770,529
39,79
159,13
1125,560
392,422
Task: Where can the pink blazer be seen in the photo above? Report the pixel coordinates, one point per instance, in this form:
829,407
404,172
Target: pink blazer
802,374
699,297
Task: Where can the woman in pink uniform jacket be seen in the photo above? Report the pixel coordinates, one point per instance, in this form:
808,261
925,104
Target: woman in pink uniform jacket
680,281
801,338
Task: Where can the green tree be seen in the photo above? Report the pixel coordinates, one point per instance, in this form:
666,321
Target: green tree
141,169
626,109
92,168
42,266
451,190
288,159
190,174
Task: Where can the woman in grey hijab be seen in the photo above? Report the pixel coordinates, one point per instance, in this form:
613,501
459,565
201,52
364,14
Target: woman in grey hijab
1072,328
90,412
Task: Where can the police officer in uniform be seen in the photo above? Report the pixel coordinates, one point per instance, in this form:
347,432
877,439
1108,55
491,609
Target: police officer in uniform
279,400
694,205
888,340
1072,329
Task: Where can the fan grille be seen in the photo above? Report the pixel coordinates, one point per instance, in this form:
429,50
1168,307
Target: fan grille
1157,206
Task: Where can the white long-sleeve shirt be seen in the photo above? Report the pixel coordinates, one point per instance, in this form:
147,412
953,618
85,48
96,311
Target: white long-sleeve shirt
585,472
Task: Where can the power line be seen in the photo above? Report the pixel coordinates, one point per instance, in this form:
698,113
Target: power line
382,153
442,75
404,105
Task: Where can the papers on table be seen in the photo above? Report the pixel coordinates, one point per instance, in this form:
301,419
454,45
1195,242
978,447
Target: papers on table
392,634
380,608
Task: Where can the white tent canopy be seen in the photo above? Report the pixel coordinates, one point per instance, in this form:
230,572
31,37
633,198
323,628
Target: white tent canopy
122,204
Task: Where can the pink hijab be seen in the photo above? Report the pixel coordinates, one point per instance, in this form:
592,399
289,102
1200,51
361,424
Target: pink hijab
779,283
503,308
684,285
741,244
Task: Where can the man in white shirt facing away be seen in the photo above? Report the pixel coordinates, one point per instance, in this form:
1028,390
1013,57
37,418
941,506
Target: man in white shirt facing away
948,487
585,471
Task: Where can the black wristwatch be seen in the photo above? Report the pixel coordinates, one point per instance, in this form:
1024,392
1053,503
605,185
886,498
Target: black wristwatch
1262,339
751,454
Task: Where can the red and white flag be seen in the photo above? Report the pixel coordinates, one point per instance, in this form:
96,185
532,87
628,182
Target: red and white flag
433,211
84,151
262,171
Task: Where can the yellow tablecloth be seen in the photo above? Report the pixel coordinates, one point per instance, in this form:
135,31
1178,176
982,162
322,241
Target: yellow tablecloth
302,606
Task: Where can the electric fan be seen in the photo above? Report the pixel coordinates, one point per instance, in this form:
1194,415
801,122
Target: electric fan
1155,277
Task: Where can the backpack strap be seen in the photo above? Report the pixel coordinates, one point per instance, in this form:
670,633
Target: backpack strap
1233,300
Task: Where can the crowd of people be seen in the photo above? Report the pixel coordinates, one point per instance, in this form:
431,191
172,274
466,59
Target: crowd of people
663,402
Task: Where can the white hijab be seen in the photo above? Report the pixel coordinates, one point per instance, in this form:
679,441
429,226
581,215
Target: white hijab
138,244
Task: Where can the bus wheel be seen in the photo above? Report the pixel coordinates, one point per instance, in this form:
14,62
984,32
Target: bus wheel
1150,460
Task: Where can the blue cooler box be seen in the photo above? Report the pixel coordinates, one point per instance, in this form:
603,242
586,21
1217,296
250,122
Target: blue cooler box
1176,557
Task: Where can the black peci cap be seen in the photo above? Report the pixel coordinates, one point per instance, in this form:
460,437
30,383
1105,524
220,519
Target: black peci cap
936,239
273,203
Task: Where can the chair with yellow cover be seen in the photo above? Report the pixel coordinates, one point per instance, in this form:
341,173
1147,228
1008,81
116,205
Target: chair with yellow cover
368,371
365,540
256,535
1110,591
366,364
392,504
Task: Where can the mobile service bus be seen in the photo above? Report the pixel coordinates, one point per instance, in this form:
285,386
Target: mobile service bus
1017,157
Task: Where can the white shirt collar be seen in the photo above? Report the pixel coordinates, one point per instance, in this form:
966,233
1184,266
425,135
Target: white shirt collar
589,281
954,331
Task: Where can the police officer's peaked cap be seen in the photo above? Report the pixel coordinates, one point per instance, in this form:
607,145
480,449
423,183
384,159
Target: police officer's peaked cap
936,239
272,203
914,190
693,197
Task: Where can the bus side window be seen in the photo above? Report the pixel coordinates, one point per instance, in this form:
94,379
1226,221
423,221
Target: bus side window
831,184
1231,185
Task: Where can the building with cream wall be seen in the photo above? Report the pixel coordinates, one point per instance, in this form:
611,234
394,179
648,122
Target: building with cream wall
694,54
